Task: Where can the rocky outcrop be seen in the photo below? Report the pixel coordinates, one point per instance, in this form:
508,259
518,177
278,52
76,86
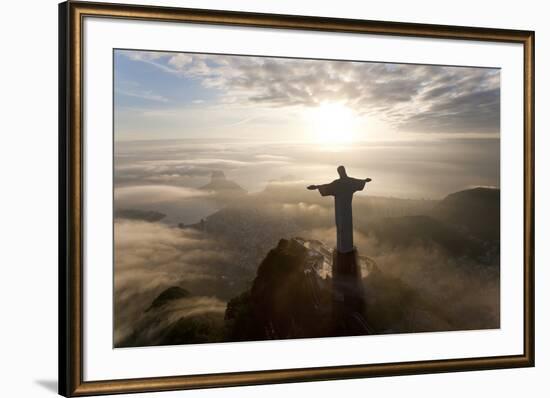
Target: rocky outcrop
303,290
288,298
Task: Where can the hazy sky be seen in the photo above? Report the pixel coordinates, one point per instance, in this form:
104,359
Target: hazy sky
419,131
174,95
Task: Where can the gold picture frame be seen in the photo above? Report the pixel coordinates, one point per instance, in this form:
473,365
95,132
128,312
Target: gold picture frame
71,239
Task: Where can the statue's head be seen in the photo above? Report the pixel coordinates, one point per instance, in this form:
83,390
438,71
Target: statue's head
342,171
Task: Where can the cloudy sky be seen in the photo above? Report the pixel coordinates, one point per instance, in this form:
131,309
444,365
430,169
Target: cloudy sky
417,130
175,95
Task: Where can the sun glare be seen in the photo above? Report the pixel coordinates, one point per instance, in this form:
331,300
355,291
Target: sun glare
332,123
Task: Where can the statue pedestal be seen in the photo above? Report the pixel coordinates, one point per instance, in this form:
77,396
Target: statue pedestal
348,297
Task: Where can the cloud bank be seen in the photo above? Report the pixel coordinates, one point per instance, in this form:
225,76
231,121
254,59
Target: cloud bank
407,169
150,257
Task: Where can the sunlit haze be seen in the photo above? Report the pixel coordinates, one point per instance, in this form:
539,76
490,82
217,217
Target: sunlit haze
419,131
231,222
332,123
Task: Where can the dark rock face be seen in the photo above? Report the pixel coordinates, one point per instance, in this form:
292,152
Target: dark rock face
293,296
288,298
152,330
204,328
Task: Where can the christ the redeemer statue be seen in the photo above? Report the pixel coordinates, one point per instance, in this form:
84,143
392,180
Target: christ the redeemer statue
342,189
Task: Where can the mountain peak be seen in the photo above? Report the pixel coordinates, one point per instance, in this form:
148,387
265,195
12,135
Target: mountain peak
220,184
217,175
478,192
477,210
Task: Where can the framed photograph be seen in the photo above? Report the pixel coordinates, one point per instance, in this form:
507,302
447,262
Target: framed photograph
252,198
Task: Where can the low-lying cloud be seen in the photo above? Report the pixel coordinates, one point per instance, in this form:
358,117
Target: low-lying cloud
150,257
154,194
409,169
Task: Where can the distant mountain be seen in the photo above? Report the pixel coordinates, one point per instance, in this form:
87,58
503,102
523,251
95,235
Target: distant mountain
476,211
137,214
408,231
220,184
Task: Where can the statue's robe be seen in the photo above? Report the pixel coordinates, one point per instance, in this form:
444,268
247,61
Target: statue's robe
343,189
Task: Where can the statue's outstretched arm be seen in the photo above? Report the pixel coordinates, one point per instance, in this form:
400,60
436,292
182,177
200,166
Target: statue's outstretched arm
313,187
324,190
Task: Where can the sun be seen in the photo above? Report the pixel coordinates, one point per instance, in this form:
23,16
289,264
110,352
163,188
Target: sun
332,123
